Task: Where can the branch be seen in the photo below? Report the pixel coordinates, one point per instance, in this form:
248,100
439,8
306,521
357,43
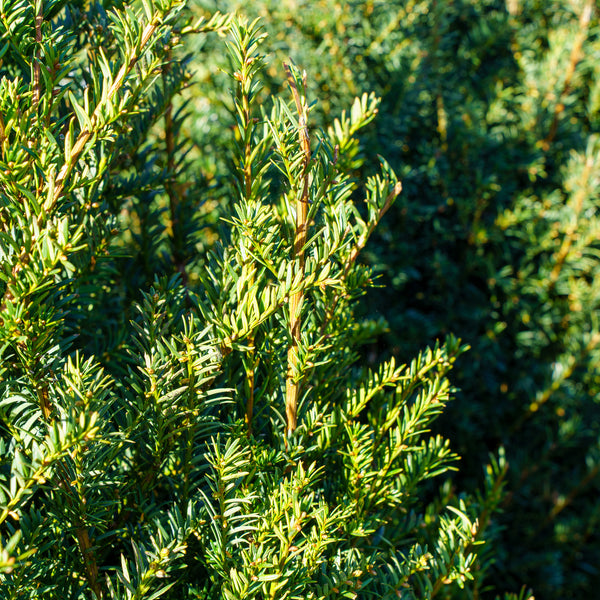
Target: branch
292,385
85,135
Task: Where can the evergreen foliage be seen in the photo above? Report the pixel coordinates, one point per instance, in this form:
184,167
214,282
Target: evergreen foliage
183,424
490,114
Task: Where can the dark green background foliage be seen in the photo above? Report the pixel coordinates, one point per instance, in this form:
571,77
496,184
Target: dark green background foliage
145,275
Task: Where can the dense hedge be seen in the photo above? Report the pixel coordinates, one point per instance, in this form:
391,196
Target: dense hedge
183,423
193,404
490,114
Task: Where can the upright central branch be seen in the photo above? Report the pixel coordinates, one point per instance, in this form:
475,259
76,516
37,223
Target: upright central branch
292,386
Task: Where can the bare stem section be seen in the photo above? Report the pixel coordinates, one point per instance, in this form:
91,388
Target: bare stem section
39,19
292,387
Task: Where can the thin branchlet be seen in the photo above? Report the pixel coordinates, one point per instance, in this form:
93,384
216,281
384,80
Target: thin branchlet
292,379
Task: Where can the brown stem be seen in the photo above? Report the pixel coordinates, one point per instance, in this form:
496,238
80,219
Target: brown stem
45,405
250,377
247,167
170,148
89,558
83,538
2,134
248,147
292,385
39,18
